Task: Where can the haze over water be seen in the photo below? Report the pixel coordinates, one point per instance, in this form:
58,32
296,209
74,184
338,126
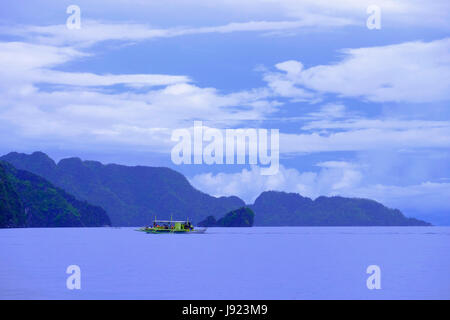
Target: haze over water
226,263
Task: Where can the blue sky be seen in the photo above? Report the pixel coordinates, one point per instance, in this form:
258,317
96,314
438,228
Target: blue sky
362,113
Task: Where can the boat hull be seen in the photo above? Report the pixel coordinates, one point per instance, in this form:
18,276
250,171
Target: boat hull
158,230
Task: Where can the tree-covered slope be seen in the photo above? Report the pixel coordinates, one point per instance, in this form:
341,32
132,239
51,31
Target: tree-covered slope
291,209
28,200
132,196
12,213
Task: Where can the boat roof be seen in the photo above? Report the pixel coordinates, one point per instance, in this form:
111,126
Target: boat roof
170,221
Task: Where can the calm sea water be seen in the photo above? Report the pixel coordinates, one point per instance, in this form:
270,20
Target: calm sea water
233,263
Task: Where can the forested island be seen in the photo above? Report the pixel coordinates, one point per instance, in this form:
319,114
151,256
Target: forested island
242,217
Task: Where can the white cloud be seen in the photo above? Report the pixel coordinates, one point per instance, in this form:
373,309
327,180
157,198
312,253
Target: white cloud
92,31
285,85
365,123
326,112
333,177
367,139
96,115
333,128
25,56
80,109
33,63
416,72
394,13
407,13
265,16
89,79
89,117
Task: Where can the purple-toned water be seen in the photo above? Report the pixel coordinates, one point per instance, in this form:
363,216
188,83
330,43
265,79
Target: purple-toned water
226,263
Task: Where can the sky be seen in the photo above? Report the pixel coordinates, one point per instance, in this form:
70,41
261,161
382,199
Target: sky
361,112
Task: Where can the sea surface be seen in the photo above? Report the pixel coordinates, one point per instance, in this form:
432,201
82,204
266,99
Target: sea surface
226,263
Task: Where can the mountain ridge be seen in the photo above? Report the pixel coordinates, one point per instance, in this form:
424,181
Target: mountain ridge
133,195
325,211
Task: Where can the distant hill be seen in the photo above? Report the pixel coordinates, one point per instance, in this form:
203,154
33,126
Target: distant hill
131,196
28,200
282,209
242,217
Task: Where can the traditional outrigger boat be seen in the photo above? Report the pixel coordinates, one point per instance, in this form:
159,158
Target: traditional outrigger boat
172,226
